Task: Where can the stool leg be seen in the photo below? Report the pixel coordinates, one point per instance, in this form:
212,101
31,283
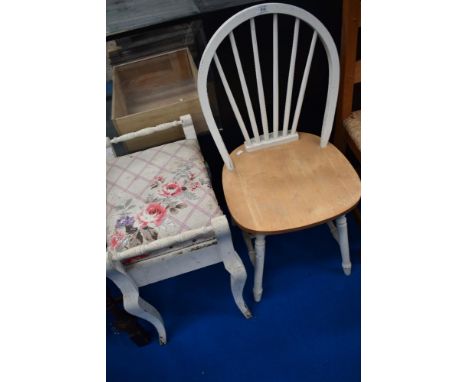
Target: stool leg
132,301
232,262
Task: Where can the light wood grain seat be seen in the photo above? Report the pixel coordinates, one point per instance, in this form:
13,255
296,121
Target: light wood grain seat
352,125
289,187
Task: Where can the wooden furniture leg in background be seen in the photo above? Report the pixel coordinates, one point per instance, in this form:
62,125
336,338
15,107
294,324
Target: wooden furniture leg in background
126,322
132,301
350,71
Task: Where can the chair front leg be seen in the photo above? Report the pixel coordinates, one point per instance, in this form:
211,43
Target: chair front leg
132,301
342,227
259,263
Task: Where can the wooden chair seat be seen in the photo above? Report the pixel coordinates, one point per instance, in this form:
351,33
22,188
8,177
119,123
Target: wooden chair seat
290,186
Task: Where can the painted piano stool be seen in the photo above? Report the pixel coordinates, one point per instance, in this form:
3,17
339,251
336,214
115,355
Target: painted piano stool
173,255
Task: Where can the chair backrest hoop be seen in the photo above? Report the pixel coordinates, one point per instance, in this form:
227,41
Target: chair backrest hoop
226,29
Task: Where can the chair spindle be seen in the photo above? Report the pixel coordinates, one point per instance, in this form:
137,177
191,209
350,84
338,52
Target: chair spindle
305,77
287,107
258,74
232,101
245,89
275,76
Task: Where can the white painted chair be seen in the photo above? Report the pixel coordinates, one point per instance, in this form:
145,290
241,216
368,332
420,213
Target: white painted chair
281,180
163,220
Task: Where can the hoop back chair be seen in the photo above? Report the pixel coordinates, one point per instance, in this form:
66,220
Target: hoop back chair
281,180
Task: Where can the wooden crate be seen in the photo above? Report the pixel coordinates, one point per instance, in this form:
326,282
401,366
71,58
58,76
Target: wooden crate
163,39
155,90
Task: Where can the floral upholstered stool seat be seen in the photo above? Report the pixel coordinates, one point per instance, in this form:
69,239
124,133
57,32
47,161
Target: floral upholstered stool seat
159,192
163,220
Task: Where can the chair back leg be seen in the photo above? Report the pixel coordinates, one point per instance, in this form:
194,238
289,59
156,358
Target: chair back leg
342,227
250,247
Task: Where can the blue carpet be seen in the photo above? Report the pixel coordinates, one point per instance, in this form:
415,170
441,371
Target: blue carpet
306,328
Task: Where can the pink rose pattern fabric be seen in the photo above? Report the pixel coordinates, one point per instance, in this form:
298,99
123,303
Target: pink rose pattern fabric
157,193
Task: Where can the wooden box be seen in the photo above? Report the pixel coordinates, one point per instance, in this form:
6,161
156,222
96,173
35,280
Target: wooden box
155,90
